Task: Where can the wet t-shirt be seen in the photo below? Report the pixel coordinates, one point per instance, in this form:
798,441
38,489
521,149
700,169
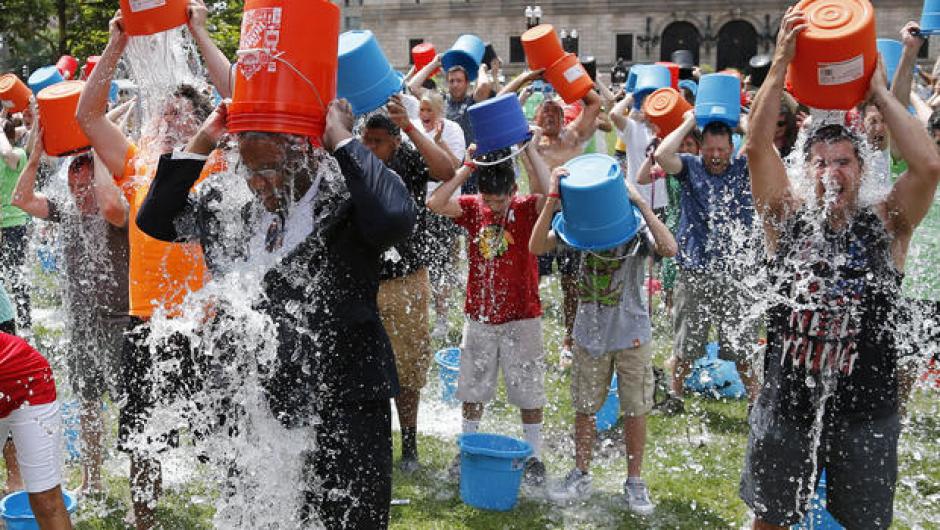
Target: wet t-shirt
25,376
503,277
411,254
834,330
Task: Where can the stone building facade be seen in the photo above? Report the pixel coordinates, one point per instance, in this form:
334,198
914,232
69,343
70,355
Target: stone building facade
721,33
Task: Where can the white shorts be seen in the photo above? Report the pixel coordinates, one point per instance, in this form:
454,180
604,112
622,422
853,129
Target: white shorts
37,434
515,348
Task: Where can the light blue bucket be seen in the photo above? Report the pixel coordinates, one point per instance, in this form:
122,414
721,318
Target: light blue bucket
364,76
491,468
498,123
448,369
930,18
467,52
649,79
43,77
607,416
715,377
818,518
890,51
718,99
18,515
630,85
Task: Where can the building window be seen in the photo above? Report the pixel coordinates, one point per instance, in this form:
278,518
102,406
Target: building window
411,44
516,53
625,46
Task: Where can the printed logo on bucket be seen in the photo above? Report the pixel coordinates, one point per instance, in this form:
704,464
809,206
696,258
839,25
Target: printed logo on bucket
261,33
143,5
841,72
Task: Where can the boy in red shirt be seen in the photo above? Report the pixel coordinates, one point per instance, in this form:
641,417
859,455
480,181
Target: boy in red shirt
504,326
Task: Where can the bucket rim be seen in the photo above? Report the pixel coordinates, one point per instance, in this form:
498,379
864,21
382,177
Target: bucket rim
483,148
462,441
373,99
560,226
71,504
442,361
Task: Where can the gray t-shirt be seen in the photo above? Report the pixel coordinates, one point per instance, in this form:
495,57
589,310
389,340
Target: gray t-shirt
612,300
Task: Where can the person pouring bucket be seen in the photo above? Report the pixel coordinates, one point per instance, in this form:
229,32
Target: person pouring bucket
609,220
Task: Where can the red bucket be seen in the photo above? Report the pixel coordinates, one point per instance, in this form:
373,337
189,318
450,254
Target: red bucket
146,17
286,72
90,64
67,66
422,55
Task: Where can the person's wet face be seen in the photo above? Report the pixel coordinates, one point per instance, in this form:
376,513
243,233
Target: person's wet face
457,84
550,118
780,132
178,124
265,158
80,178
837,174
429,117
689,145
716,152
875,130
381,143
498,202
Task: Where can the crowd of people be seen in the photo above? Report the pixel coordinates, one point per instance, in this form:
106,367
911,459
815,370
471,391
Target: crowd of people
358,241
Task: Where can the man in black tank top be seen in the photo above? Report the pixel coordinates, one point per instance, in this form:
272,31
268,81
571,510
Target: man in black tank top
829,400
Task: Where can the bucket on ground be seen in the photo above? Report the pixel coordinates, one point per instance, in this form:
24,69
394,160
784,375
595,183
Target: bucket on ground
422,55
499,122
818,518
569,78
542,46
836,54
715,377
491,468
448,369
596,210
286,73
649,79
57,105
607,416
365,77
67,66
43,77
14,94
718,99
890,50
146,17
90,63
467,52
665,109
930,18
18,515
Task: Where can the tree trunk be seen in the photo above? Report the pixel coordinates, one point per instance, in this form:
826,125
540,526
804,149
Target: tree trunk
60,9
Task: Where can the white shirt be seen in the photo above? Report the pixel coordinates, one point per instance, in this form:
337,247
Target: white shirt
452,136
637,137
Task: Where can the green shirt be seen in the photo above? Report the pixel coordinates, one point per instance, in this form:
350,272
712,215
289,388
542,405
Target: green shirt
11,215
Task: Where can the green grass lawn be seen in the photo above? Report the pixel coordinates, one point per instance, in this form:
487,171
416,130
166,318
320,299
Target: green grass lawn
692,464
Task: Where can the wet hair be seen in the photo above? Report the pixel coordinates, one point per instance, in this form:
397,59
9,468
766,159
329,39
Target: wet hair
550,105
717,128
84,159
831,134
459,68
791,131
696,136
933,123
383,122
201,103
10,130
498,179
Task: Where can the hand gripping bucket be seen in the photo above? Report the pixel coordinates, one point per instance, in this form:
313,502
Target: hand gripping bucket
67,66
718,99
542,46
596,210
665,109
673,73
607,416
14,94
89,65
930,18
835,55
498,122
649,79
57,105
448,369
365,77
890,51
422,55
569,78
146,17
491,468
467,52
43,77
17,514
286,72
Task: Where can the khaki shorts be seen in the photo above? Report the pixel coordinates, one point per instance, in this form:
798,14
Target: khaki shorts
516,349
590,379
403,306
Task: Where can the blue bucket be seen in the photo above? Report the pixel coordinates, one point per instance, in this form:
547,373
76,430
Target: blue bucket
491,468
630,85
818,518
17,514
115,91
448,368
718,99
43,77
71,428
498,123
930,18
364,76
596,210
610,410
715,377
691,85
467,52
890,51
649,79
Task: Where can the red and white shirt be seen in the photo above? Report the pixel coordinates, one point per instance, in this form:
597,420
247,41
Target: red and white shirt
25,376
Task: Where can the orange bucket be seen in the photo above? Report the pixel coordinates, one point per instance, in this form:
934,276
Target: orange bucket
673,73
569,78
542,46
835,55
14,94
146,17
57,105
422,55
286,72
665,108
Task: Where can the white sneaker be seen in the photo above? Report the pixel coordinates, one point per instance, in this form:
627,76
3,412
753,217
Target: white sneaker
638,497
576,486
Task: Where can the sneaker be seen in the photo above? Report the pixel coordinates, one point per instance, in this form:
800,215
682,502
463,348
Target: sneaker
454,470
565,359
638,497
534,473
408,465
576,486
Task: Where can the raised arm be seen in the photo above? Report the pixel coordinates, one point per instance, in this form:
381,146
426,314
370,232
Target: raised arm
536,168
108,196
543,239
664,243
620,111
667,154
105,136
585,124
521,81
416,85
442,200
217,63
484,84
644,175
904,74
25,196
439,164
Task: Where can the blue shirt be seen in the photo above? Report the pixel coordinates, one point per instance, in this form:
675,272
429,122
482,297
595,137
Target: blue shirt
717,212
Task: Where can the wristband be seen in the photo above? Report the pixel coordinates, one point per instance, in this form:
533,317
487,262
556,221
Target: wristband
408,128
554,196
470,164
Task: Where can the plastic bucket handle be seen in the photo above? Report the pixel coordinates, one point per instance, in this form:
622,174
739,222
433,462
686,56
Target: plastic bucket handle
515,152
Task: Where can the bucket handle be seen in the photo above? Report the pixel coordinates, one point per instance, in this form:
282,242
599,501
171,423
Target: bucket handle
277,57
515,152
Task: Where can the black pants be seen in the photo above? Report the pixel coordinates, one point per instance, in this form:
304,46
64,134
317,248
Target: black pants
8,327
352,466
13,245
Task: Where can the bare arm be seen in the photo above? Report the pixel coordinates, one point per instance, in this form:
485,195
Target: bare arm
904,74
442,200
619,113
585,124
110,199
9,155
520,81
607,97
664,243
217,63
667,154
25,196
484,84
416,84
536,168
439,164
106,137
645,174
543,240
